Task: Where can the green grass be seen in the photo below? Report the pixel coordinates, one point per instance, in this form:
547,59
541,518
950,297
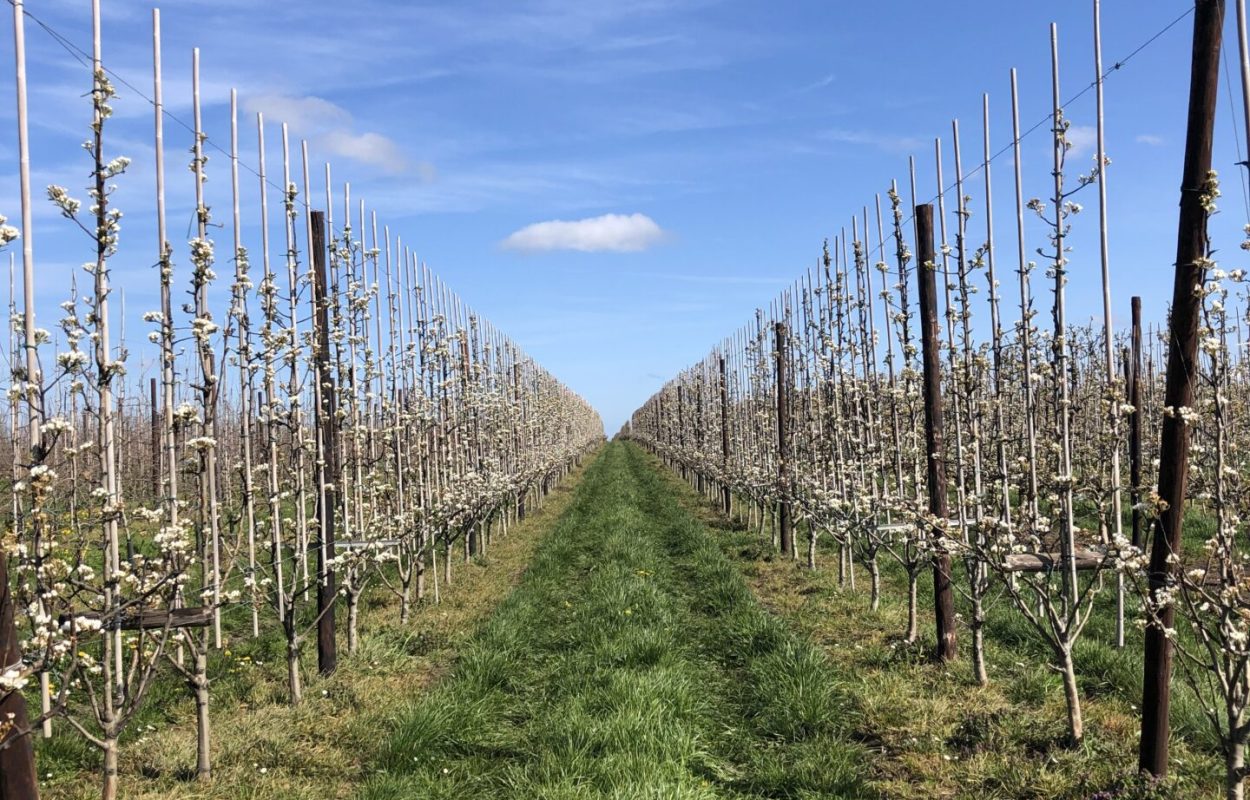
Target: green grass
626,642
632,662
265,750
933,731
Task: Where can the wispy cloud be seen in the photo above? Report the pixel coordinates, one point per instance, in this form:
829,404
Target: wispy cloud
301,113
1082,139
375,150
1149,139
890,143
331,129
618,233
814,85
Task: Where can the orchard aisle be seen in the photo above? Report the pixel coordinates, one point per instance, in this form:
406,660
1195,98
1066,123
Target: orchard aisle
631,662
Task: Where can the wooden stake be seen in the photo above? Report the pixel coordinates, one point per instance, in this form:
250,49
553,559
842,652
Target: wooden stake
785,524
726,495
155,455
1191,255
328,464
943,598
1134,424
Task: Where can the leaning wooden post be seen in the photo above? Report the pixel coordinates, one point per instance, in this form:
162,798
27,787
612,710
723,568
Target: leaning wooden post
328,463
1191,263
784,523
1134,423
726,498
943,599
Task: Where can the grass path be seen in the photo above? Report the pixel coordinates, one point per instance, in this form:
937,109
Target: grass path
930,730
631,662
264,749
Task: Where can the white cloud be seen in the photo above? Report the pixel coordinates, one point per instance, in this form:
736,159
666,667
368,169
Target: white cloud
886,142
619,233
330,130
1150,139
813,86
375,150
1082,139
300,113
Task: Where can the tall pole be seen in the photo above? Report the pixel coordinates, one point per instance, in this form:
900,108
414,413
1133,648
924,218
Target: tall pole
328,486
943,598
726,497
1113,413
155,456
17,755
1134,423
17,760
1243,50
785,524
1191,255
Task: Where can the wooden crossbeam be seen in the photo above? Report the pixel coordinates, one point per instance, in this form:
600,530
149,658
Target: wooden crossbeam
153,619
1049,562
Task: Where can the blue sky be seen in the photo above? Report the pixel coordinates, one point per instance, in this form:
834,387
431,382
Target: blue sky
710,145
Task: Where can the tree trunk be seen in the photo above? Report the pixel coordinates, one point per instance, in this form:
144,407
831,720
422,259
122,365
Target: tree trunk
203,764
978,644
1234,771
913,616
353,618
419,567
811,547
447,562
1076,728
109,789
874,571
292,666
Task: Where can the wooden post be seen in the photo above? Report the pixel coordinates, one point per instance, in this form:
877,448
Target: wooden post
1191,254
784,523
681,429
1134,423
17,755
725,496
516,393
156,442
698,433
471,543
327,501
943,599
